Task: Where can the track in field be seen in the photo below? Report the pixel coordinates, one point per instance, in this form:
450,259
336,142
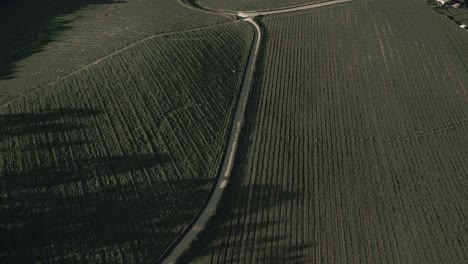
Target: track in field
110,164
248,5
356,143
52,38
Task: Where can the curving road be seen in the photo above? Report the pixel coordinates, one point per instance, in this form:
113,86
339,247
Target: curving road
183,242
288,9
254,13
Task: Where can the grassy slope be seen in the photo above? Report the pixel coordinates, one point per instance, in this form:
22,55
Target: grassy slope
356,150
459,15
54,37
245,5
109,164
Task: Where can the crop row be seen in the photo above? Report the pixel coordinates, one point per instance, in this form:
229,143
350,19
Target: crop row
110,164
356,142
52,38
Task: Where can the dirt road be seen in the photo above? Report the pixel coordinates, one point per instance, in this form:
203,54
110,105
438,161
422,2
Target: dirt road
184,241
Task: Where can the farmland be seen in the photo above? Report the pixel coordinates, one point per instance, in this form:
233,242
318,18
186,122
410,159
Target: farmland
245,5
53,37
109,163
356,147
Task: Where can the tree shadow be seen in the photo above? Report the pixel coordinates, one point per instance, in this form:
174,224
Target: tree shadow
240,232
234,231
56,225
62,199
13,125
68,172
28,26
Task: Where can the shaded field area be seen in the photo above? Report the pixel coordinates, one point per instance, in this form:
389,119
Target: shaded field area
53,37
42,22
110,164
356,147
246,5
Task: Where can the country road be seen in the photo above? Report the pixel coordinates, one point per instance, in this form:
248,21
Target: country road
289,9
255,13
184,241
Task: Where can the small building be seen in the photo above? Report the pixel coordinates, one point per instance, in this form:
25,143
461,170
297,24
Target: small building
442,2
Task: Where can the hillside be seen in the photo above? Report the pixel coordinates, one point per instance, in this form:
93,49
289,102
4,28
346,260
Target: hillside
111,145
356,146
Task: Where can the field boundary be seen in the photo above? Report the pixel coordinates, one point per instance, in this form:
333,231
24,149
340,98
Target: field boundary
183,242
89,65
263,12
197,225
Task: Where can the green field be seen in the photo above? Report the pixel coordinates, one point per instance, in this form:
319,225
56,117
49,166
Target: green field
356,144
114,122
109,162
245,5
53,37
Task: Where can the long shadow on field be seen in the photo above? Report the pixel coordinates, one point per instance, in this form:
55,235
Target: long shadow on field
63,196
29,25
242,232
50,121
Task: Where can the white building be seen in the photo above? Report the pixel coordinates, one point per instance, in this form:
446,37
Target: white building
442,2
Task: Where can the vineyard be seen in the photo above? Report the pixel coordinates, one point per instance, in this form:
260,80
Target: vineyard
110,163
245,5
53,37
356,147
